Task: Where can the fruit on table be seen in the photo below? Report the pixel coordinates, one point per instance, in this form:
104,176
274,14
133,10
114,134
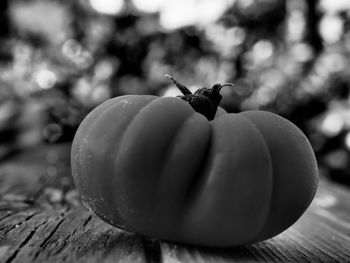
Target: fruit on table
178,169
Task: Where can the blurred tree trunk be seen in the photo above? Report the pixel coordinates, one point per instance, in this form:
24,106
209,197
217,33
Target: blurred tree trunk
312,36
4,30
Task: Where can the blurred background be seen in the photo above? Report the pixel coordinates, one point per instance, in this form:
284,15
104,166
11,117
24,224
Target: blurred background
59,59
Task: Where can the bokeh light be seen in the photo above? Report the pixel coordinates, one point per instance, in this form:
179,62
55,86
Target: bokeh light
332,124
149,6
108,7
331,28
347,140
45,78
179,13
333,6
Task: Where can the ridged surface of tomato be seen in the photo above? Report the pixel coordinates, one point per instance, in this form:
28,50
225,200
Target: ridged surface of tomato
154,166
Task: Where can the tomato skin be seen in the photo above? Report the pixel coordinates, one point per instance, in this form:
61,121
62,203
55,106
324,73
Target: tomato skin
156,167
295,172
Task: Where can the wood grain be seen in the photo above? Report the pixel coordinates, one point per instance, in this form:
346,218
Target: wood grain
43,220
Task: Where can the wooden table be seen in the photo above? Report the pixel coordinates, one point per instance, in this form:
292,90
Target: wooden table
42,220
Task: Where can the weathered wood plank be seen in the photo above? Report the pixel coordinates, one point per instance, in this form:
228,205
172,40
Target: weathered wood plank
43,220
65,236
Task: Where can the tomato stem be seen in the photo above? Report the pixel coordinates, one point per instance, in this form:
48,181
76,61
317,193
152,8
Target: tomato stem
217,87
204,100
182,88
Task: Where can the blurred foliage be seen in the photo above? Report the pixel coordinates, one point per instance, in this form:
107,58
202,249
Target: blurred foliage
59,59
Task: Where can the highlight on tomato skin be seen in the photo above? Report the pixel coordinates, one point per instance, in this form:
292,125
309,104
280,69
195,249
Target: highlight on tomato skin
158,167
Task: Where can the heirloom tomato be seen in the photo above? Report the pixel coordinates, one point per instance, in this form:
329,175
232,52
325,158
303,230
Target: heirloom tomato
178,169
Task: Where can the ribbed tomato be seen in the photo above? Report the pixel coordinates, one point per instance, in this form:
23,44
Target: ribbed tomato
155,166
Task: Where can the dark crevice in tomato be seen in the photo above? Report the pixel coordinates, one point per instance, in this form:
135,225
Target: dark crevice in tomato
258,236
204,100
158,193
195,182
170,147
152,250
